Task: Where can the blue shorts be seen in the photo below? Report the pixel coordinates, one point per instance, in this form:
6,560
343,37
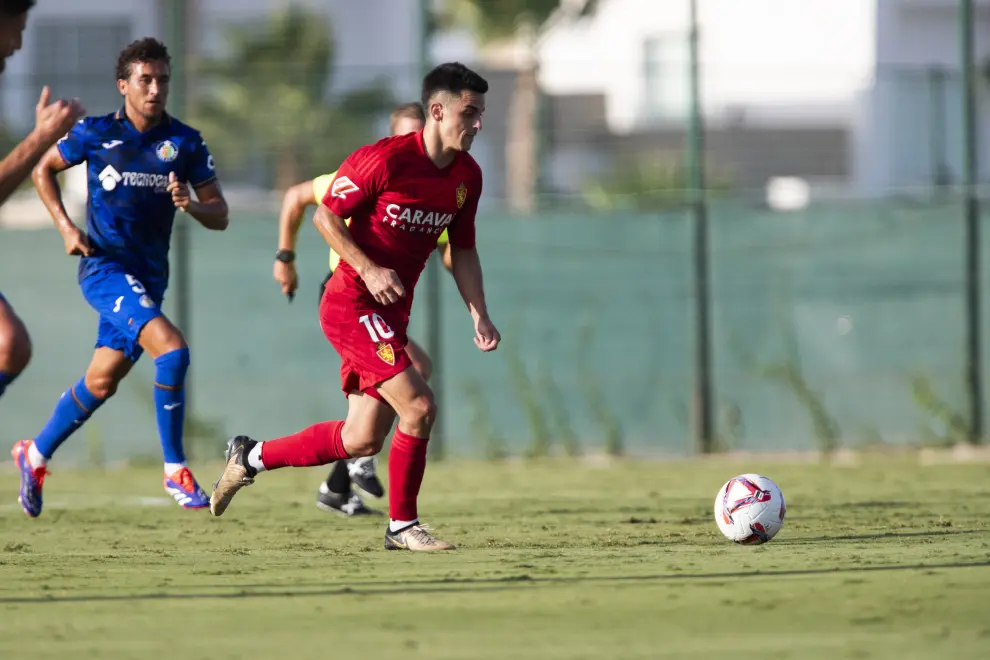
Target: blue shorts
124,304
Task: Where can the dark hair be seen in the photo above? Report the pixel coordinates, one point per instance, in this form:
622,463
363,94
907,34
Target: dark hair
15,7
412,110
452,77
148,49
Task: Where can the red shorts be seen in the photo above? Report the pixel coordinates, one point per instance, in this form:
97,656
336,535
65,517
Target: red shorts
370,338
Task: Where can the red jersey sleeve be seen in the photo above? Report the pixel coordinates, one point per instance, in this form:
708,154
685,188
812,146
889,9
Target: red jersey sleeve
461,230
359,182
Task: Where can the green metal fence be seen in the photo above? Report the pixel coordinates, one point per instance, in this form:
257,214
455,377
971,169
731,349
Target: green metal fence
839,325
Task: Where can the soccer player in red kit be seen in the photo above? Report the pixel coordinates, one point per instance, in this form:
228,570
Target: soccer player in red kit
401,193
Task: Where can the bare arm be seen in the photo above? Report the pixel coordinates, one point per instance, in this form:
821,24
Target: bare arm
16,167
294,204
466,268
383,283
209,208
46,183
52,121
334,231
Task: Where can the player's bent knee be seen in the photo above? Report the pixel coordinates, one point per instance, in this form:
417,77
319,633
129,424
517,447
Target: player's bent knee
359,445
360,442
23,351
159,337
420,412
15,348
366,448
102,386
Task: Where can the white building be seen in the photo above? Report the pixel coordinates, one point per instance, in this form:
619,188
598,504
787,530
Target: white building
780,63
909,124
72,45
778,57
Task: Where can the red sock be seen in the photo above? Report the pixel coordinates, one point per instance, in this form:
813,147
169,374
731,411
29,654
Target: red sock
406,466
317,445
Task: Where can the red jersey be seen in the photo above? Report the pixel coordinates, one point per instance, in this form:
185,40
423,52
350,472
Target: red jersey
399,203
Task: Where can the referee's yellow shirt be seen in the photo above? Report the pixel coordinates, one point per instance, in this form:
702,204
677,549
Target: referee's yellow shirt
321,185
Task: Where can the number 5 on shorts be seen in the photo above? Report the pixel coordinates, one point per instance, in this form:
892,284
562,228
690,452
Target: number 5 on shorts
135,285
376,327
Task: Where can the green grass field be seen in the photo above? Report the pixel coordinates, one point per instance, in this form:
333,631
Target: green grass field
556,559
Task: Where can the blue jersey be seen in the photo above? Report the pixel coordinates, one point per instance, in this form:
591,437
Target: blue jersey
129,213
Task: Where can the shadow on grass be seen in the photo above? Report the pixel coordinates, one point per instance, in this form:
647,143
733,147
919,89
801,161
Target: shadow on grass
878,536
461,586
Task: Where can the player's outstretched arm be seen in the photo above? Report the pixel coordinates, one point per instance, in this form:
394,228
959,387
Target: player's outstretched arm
52,121
466,268
294,204
209,208
382,283
46,183
18,163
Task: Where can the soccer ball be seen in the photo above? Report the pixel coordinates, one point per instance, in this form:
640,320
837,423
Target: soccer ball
749,509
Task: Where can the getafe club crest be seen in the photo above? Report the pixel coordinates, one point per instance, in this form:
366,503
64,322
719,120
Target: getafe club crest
167,151
386,353
461,195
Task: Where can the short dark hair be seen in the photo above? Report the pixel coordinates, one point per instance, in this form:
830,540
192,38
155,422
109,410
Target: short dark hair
412,110
148,49
15,7
452,77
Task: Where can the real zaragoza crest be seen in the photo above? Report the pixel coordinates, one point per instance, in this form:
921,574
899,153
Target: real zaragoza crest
386,353
461,195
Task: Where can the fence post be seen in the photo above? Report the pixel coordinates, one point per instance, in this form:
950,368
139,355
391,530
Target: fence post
936,128
704,424
176,32
434,268
970,140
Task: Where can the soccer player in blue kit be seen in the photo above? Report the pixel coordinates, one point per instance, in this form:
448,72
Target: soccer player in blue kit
141,164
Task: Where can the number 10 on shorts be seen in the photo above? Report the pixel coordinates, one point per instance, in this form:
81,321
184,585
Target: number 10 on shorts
376,327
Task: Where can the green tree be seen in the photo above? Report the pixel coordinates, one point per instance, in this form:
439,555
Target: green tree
264,105
495,20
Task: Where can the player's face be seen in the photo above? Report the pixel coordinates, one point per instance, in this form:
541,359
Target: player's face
11,30
146,90
404,125
460,120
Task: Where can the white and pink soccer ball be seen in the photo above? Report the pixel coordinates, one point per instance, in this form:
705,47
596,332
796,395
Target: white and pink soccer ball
749,509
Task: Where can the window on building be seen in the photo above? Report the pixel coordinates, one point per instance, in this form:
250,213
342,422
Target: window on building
665,78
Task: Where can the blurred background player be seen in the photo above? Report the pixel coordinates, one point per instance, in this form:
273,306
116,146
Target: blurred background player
335,494
401,193
138,160
51,121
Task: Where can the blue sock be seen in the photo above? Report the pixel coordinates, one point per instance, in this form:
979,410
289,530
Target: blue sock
170,397
75,407
5,380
